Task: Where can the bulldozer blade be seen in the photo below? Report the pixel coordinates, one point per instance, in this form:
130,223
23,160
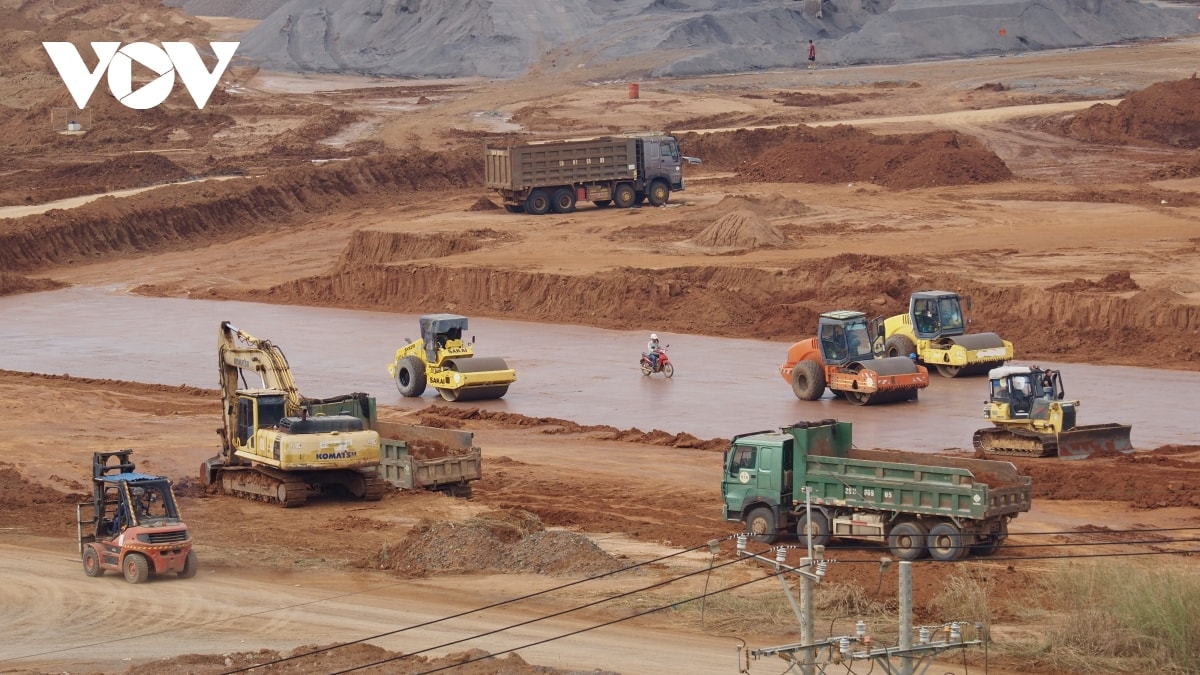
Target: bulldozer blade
1083,442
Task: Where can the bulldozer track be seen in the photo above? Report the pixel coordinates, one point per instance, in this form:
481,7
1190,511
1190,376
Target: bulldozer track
1014,443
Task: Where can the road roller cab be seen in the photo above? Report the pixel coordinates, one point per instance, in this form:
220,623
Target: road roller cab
935,329
444,359
845,357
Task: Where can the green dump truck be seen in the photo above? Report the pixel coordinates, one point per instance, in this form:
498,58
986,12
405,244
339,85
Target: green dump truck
916,504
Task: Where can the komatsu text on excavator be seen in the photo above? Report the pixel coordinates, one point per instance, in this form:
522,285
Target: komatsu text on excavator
273,448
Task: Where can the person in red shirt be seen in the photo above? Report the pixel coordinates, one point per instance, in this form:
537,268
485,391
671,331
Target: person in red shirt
812,54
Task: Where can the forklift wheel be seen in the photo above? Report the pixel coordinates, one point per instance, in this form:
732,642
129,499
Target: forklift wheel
136,568
91,563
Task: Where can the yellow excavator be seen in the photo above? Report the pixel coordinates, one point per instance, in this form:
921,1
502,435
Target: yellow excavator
278,446
443,359
935,331
1031,419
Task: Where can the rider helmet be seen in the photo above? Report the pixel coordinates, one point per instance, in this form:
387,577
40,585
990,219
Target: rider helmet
654,336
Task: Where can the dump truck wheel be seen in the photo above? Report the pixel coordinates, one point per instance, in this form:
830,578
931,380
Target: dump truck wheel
624,196
660,192
819,527
945,542
899,345
91,563
808,381
136,568
537,203
410,377
907,540
602,203
190,565
987,547
760,525
514,208
563,200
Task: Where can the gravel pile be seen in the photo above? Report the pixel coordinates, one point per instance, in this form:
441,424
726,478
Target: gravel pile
504,38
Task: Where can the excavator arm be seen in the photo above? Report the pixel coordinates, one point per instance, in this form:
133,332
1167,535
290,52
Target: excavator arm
239,351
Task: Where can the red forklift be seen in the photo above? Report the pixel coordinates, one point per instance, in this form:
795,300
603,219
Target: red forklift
135,525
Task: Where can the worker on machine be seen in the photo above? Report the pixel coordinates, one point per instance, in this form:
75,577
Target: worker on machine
652,350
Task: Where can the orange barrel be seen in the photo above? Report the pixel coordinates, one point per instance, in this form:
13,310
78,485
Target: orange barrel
633,90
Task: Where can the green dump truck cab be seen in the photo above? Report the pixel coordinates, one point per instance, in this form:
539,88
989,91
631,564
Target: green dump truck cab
917,504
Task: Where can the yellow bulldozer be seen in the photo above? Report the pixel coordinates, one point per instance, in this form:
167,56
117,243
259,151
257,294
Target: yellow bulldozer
1031,419
934,330
443,359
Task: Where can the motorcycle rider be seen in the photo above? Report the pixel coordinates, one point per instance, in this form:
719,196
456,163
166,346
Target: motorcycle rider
652,350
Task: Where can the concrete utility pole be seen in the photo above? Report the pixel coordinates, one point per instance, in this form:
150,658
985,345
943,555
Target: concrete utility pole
841,650
906,602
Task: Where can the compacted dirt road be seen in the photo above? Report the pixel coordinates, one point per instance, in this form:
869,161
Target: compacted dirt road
1072,226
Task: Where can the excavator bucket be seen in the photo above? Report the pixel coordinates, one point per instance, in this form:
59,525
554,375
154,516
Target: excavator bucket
1083,442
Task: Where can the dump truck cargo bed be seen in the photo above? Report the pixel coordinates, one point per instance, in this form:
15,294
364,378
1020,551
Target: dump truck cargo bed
561,163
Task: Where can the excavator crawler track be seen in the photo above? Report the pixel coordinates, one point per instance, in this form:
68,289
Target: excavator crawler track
264,485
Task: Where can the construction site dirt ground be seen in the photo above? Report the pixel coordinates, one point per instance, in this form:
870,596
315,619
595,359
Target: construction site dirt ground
1076,232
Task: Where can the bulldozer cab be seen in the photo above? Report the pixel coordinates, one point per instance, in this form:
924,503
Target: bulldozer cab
845,336
936,313
1027,390
443,332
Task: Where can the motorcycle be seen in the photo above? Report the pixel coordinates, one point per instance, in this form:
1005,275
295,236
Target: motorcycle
664,364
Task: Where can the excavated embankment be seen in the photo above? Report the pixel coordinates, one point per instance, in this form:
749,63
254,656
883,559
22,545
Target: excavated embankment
183,216
769,304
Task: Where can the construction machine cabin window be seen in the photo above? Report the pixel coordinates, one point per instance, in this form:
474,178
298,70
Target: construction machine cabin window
950,314
742,457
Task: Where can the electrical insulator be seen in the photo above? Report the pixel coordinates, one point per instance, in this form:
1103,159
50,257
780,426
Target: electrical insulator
924,635
781,555
741,544
844,647
821,569
955,632
860,629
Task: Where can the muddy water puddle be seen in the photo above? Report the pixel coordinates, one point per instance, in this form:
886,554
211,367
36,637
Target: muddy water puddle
721,386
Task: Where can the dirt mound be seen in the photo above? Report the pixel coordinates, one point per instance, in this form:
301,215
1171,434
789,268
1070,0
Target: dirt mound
767,206
804,99
342,658
370,247
1178,284
1165,477
742,230
483,204
845,154
438,416
1116,282
510,541
448,417
117,173
1167,113
15,283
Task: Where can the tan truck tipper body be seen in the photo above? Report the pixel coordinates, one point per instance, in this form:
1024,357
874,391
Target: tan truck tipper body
624,171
